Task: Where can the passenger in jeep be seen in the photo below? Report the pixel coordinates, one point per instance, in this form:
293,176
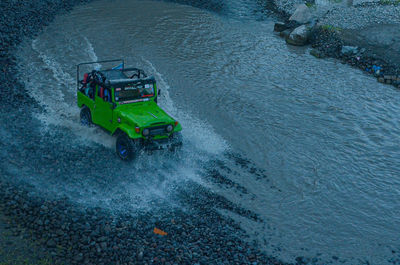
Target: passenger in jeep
107,95
88,86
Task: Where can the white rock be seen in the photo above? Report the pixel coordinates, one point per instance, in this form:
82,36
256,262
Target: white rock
302,14
299,36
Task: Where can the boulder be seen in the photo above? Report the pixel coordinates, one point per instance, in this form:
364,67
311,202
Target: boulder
285,33
302,14
317,53
299,36
279,27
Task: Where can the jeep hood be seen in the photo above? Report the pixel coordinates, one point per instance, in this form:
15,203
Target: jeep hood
144,114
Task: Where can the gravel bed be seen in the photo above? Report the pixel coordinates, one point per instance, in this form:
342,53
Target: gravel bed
362,16
288,6
16,248
76,235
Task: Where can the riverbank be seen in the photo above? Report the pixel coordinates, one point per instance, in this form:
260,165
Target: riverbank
72,234
363,34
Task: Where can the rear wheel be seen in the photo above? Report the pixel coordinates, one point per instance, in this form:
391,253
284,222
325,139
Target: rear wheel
126,148
86,117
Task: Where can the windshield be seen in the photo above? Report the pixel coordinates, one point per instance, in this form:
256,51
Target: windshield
133,92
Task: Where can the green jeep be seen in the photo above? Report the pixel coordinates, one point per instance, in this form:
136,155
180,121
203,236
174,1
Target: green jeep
123,101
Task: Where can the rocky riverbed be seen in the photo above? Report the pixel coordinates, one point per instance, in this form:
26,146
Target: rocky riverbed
76,235
16,246
73,232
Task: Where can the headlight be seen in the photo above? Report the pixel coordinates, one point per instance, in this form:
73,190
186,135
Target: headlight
169,128
145,132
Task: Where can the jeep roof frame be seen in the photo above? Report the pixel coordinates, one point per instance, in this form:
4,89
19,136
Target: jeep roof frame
124,82
87,63
114,82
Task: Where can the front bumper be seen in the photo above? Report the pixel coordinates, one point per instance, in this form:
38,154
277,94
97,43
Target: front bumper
168,143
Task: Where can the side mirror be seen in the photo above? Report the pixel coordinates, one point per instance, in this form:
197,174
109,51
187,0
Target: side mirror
159,92
114,105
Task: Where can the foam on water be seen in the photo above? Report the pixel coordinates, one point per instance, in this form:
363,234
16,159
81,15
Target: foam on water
49,84
92,54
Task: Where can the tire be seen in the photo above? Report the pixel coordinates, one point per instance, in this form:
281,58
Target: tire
177,142
126,148
86,117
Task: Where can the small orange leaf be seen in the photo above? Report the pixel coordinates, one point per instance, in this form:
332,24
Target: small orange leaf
159,232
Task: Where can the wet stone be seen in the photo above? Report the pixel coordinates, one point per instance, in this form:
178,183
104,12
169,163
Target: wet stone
51,243
279,27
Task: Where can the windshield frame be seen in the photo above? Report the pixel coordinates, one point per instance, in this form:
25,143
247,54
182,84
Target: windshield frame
139,87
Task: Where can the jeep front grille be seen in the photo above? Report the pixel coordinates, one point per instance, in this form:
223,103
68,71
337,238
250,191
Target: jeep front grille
158,130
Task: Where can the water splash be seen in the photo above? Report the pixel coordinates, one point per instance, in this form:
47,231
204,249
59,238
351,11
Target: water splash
196,132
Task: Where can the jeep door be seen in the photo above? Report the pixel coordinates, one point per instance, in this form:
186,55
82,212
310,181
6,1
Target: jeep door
103,109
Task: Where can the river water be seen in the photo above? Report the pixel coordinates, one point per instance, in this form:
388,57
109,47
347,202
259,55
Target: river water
327,136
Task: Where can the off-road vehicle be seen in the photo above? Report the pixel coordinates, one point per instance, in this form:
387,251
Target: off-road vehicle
123,101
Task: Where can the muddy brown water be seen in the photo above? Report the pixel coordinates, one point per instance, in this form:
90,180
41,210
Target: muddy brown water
326,135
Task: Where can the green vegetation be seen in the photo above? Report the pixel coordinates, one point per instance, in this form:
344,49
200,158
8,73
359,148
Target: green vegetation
310,5
331,28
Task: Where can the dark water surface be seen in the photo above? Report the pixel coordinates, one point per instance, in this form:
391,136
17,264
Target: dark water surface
326,135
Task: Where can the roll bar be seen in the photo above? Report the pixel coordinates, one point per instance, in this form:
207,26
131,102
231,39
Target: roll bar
87,63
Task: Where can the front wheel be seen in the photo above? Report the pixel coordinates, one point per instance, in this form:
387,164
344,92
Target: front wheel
176,142
126,148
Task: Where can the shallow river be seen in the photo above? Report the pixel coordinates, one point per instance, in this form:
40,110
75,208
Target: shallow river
326,135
